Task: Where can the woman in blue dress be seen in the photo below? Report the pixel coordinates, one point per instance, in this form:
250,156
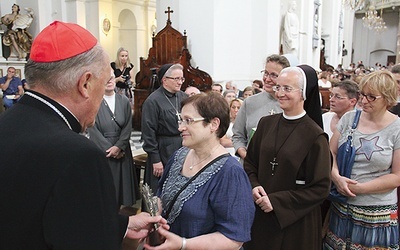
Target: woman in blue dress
215,211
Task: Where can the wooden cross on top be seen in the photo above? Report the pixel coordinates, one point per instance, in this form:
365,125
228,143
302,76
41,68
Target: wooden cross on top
169,11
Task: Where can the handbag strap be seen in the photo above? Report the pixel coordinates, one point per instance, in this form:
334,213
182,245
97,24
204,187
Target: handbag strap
190,181
356,119
355,123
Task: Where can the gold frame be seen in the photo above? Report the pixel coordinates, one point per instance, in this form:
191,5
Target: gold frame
18,73
106,25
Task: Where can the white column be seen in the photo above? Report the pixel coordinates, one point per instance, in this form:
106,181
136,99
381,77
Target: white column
310,26
348,36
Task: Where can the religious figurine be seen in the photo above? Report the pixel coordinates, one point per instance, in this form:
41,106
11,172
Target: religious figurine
290,34
16,36
151,204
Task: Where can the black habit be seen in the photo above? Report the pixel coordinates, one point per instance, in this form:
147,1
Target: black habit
56,189
160,134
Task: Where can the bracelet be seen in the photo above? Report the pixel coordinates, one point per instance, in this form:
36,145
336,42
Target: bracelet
183,247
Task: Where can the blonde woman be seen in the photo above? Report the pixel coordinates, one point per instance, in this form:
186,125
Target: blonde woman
123,72
369,220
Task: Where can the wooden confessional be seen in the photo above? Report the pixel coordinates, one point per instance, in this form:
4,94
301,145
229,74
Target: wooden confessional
169,46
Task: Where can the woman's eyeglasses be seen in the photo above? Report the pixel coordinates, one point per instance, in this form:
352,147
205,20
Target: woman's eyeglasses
370,98
189,121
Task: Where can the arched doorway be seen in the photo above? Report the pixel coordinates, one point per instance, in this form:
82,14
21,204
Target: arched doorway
127,35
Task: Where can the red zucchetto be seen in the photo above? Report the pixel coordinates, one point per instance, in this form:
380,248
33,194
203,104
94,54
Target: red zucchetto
60,41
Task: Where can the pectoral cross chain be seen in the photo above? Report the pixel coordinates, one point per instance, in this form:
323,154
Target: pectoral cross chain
273,165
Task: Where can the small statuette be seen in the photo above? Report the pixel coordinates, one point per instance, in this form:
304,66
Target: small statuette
151,203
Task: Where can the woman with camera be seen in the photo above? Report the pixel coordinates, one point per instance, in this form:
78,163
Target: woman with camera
123,73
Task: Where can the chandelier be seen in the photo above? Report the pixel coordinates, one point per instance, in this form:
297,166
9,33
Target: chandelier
371,17
374,22
380,25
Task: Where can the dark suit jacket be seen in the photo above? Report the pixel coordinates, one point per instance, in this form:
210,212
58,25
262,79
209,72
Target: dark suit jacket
56,189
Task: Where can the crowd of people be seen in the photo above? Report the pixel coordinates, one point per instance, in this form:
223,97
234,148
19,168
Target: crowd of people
230,169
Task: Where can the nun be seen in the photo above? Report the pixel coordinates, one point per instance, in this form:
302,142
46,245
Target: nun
288,164
111,133
160,115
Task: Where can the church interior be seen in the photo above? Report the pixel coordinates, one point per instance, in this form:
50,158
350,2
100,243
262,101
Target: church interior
220,41
228,39
217,41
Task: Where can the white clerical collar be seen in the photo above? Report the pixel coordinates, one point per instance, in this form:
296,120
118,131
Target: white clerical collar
295,117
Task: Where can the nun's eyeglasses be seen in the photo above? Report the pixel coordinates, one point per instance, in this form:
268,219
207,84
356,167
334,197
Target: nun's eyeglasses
370,98
176,79
286,89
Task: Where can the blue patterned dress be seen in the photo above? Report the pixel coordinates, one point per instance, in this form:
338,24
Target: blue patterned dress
218,200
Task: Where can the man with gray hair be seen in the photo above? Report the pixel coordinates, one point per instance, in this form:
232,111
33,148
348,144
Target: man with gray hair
56,187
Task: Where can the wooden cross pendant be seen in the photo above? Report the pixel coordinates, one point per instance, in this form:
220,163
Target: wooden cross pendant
273,165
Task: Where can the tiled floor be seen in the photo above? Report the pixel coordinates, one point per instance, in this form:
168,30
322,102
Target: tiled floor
135,141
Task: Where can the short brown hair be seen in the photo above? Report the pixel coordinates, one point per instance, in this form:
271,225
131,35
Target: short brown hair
351,88
211,105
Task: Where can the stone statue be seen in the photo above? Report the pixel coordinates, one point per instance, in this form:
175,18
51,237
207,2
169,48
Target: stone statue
16,36
290,34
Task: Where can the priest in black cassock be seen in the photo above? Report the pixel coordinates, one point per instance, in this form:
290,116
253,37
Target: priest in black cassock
288,163
56,188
